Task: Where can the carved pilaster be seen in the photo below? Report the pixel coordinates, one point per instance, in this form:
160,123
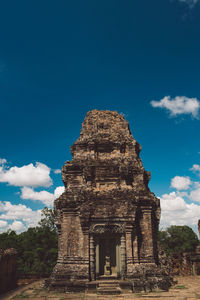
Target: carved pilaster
129,251
135,250
59,240
123,256
97,260
85,245
92,258
148,236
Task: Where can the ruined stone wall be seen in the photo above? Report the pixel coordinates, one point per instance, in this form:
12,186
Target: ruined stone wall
187,263
181,264
8,269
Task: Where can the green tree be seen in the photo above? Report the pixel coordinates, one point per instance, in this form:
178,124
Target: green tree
36,247
178,239
48,219
8,239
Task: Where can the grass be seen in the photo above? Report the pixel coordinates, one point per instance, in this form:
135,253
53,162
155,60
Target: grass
181,287
20,296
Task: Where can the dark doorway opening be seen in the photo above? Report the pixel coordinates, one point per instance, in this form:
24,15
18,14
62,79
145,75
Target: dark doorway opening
108,257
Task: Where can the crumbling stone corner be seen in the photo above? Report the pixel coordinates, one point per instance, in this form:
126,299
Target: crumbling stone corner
8,269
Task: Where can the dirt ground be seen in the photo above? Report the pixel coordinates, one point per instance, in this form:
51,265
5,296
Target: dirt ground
187,288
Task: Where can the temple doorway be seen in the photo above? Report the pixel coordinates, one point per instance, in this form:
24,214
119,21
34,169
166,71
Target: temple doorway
108,258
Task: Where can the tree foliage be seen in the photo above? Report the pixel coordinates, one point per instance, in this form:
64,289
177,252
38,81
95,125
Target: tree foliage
47,220
178,239
37,247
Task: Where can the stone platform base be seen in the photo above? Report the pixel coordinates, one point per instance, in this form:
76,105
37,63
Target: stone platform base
141,278
135,284
104,287
63,285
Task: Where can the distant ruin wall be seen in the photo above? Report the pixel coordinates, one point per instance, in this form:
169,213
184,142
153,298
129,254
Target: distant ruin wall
181,264
187,263
199,227
8,268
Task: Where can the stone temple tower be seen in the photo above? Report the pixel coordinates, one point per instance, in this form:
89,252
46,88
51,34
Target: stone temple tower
107,218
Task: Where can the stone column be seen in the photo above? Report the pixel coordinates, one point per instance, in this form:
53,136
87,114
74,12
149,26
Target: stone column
92,258
123,256
148,235
129,250
86,245
129,246
118,260
59,240
135,250
97,260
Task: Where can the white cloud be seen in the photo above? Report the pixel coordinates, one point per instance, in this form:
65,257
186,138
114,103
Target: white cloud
175,211
179,105
22,216
181,182
57,171
176,207
43,196
3,224
196,184
28,175
20,212
17,226
190,3
195,168
3,161
195,195
172,202
58,191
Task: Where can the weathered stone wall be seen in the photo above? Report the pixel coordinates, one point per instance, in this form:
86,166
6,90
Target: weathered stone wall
187,263
8,269
183,264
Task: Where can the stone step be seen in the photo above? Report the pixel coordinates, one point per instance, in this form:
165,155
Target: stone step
110,278
108,281
109,290
106,284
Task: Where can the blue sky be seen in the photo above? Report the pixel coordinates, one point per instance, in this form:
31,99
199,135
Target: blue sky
60,59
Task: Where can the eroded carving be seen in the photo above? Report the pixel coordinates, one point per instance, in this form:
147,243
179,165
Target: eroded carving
107,229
